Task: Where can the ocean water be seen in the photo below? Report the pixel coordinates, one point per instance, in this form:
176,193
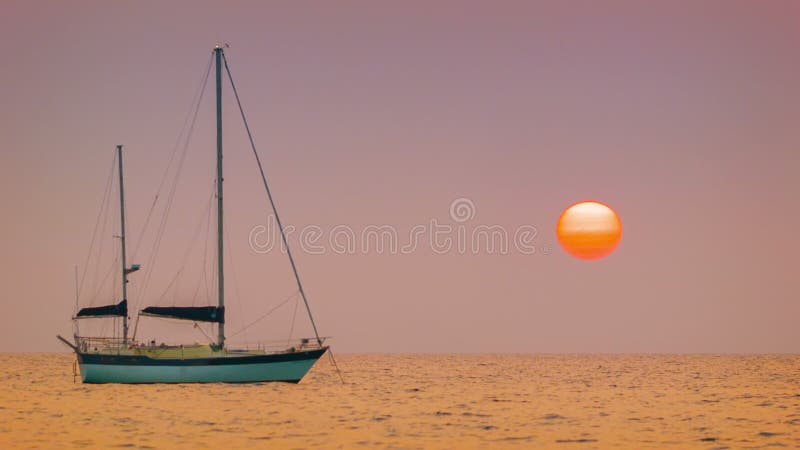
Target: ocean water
421,401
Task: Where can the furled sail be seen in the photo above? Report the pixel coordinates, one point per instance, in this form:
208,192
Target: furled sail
120,309
196,313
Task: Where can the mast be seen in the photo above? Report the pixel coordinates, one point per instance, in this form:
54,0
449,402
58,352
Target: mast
122,243
220,271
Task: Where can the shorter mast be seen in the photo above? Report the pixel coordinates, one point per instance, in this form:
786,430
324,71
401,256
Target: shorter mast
115,309
122,243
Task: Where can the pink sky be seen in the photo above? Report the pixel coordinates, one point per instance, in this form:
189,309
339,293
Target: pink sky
683,116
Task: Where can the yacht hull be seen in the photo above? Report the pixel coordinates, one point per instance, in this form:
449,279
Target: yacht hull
287,367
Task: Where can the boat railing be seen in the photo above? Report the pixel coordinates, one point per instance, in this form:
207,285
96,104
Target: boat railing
282,346
87,344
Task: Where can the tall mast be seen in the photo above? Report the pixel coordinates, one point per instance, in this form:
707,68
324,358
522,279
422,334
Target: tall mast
220,272
122,243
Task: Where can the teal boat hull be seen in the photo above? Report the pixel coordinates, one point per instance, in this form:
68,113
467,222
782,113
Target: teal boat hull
289,367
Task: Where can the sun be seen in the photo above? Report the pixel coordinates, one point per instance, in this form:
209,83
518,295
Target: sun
589,230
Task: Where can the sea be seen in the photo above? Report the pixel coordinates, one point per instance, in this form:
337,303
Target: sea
420,401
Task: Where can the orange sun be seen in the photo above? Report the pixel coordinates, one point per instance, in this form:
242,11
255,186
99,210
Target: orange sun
589,230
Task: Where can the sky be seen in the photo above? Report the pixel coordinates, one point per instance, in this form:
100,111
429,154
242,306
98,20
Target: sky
414,117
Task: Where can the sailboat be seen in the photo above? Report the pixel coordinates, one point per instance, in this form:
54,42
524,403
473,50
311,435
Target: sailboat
124,360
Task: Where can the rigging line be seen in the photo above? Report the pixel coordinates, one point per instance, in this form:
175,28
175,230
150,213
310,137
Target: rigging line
77,308
294,316
271,201
205,249
213,276
167,207
97,221
171,197
207,214
173,188
114,265
101,250
274,308
198,327
198,93
169,286
117,254
135,327
107,212
233,272
114,282
213,272
186,254
113,297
